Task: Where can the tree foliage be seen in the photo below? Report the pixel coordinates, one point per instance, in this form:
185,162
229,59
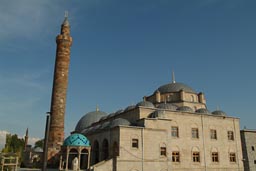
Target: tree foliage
13,144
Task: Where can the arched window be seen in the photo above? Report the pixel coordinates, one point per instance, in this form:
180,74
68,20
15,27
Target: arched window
163,152
96,152
105,152
195,155
232,155
215,155
175,154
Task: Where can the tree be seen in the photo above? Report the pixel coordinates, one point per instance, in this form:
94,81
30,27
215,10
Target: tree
13,144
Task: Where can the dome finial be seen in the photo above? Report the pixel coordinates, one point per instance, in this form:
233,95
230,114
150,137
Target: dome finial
173,77
97,108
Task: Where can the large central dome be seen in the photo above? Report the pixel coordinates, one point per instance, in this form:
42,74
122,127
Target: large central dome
175,87
88,119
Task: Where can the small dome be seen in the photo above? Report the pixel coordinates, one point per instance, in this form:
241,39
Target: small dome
129,108
105,125
203,111
76,140
111,115
219,113
103,118
175,87
185,109
120,121
158,114
38,150
88,119
145,104
167,106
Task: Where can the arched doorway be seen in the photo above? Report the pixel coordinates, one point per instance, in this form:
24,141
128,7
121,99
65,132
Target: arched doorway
73,153
105,149
84,159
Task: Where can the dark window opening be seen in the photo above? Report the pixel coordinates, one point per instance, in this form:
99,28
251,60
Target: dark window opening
135,143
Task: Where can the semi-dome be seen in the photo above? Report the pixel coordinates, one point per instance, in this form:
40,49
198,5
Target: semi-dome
76,140
158,114
185,109
219,113
175,87
119,121
88,119
145,104
167,106
203,111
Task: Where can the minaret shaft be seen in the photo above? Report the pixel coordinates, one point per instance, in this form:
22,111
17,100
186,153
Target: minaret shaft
59,90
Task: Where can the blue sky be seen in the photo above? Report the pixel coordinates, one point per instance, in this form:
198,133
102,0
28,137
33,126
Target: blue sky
123,50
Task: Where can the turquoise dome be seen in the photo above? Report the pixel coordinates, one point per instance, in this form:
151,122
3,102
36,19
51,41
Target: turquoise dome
76,140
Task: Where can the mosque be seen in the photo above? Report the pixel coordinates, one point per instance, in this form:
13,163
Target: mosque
169,130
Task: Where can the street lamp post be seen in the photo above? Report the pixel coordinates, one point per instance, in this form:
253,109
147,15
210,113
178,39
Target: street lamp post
46,135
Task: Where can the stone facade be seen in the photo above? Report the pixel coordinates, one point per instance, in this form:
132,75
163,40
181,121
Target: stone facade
178,134
59,91
248,138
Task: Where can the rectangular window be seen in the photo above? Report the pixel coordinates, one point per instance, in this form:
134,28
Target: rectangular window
195,133
252,148
163,151
175,156
232,157
135,143
196,156
231,135
213,133
215,157
254,161
175,131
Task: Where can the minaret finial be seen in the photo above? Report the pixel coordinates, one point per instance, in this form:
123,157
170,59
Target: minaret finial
97,108
27,132
65,22
66,14
173,77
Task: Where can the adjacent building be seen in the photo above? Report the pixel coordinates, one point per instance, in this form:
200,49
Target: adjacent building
248,138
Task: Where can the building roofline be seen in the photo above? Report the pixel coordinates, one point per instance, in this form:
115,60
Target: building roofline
248,130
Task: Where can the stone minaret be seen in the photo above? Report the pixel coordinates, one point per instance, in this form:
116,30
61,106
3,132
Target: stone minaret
26,140
59,90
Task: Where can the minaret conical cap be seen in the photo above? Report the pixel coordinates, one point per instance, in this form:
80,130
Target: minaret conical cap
65,22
